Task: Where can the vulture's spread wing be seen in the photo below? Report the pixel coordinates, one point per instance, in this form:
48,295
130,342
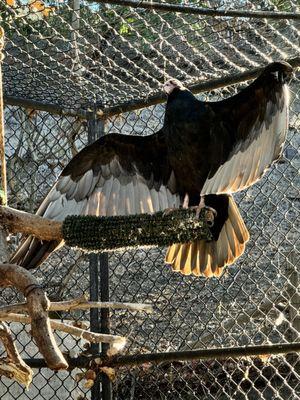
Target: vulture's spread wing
116,175
249,133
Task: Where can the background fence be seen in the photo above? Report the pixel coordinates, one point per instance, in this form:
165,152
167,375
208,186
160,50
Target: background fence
69,63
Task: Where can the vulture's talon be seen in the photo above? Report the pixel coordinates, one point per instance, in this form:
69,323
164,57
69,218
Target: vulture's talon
168,211
210,215
212,210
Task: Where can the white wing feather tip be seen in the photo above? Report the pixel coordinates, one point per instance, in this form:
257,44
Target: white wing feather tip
253,161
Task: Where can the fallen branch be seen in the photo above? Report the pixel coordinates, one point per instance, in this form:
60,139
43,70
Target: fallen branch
12,366
80,304
118,341
38,304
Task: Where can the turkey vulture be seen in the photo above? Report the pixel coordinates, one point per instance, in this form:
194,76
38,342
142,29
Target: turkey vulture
204,152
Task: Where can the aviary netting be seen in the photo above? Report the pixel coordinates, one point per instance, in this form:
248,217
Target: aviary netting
74,69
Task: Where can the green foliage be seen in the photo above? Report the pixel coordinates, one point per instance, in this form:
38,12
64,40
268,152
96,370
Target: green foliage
108,21
282,5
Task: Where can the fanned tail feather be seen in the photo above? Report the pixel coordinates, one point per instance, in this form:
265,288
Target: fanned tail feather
209,258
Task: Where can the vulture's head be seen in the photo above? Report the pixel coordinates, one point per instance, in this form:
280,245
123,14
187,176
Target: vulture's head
282,71
172,84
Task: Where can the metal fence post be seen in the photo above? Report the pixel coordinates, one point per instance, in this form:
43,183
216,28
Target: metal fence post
94,316
99,285
104,320
294,296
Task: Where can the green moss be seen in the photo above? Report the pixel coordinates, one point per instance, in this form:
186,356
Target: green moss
109,233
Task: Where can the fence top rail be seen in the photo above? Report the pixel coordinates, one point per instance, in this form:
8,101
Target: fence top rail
197,354
187,9
132,105
196,88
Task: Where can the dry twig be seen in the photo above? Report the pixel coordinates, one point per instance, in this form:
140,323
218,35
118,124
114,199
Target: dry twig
118,341
81,303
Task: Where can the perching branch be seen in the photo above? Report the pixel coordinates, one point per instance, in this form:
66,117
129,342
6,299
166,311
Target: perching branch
12,366
38,304
118,341
92,233
80,303
20,221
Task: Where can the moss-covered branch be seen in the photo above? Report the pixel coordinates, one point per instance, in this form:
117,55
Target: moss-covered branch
110,233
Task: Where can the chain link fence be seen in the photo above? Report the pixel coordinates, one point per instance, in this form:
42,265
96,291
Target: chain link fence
68,62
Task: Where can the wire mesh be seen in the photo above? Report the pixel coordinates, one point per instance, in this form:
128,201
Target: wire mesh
103,55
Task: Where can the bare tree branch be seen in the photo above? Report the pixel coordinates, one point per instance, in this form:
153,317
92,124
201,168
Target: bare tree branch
118,341
20,221
38,305
80,303
12,366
